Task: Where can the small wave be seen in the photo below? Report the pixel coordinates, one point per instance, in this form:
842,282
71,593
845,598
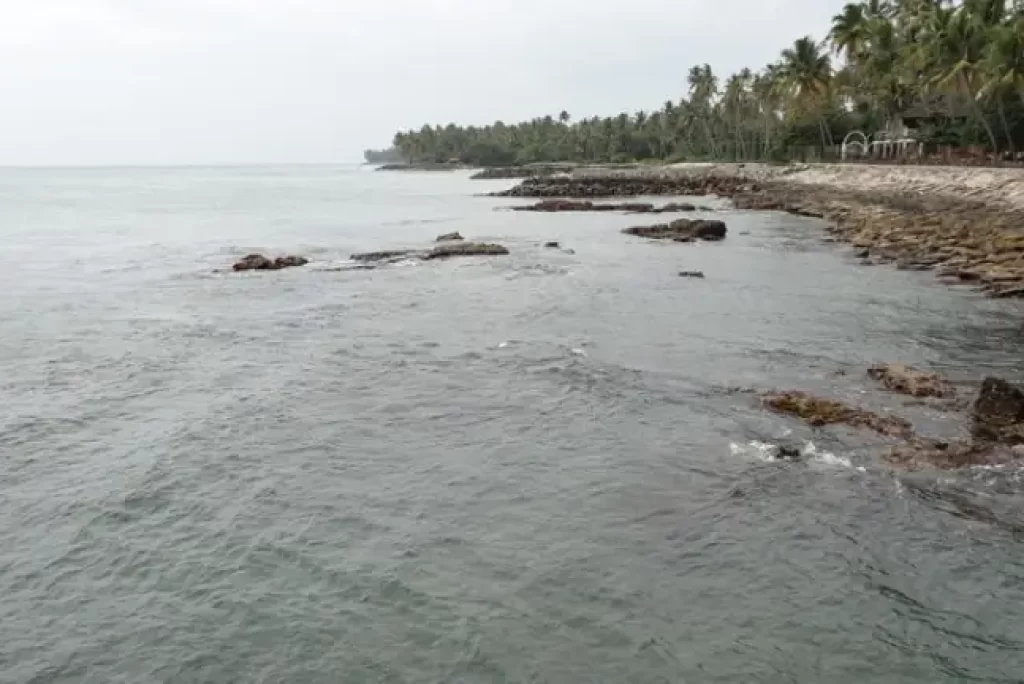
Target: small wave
769,452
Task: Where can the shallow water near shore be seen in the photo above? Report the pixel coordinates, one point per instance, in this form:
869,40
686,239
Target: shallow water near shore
508,469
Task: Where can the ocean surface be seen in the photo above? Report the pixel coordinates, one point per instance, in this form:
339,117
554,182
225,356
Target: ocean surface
529,468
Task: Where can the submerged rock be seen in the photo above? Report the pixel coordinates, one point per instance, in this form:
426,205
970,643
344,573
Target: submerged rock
818,412
682,230
552,245
998,413
258,262
691,274
911,381
453,248
448,237
929,453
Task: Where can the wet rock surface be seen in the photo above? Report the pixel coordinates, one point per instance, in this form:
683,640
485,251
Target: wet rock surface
682,230
259,262
996,422
910,381
445,250
553,205
818,411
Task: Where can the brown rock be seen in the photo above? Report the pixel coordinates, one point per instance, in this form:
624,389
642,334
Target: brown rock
910,381
818,412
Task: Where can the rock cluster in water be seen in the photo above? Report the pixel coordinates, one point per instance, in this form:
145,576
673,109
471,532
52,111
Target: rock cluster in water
819,411
445,250
626,186
681,230
552,205
258,262
996,419
911,381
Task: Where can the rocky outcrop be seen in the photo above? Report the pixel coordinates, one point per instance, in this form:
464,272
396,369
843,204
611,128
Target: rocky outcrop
455,249
551,205
911,381
627,186
681,230
445,250
447,237
818,412
387,255
998,413
259,262
964,242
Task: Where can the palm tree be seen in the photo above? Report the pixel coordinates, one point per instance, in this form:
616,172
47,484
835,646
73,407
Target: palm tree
808,70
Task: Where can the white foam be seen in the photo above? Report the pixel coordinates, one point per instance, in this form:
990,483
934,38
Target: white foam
769,452
576,351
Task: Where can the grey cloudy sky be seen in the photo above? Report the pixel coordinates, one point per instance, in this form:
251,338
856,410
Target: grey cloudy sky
240,81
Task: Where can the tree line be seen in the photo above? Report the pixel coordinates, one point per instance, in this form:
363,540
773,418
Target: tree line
962,61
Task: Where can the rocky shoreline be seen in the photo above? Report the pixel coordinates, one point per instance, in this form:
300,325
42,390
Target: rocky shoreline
967,232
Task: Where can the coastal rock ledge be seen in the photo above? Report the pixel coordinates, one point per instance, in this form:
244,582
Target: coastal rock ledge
444,250
258,262
681,230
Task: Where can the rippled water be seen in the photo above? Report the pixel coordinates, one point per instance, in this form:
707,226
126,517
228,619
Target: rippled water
502,470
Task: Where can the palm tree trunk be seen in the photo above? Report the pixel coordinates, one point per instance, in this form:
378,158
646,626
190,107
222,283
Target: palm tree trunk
979,115
1006,124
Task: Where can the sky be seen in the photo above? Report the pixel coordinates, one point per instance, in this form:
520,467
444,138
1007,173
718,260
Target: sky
88,82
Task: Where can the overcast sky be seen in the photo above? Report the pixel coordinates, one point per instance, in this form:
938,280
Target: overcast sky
251,81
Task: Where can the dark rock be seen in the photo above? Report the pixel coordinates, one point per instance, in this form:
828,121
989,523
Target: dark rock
448,236
385,255
552,205
998,413
787,452
626,185
454,249
861,254
552,245
681,230
258,262
691,274
910,381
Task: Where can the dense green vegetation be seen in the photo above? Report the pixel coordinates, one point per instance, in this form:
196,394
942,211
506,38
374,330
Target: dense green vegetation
390,155
962,62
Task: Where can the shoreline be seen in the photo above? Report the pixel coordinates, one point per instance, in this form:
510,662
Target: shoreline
965,223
